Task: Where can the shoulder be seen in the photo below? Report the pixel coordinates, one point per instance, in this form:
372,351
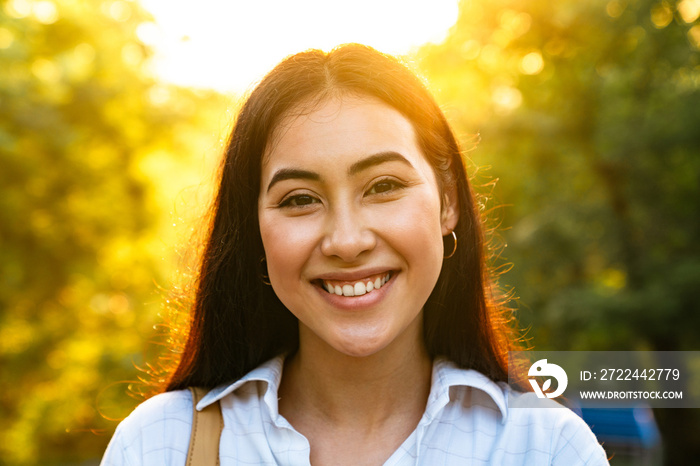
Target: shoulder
547,425
505,426
156,432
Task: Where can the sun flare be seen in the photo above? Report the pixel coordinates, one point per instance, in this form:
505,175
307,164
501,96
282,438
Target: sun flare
228,45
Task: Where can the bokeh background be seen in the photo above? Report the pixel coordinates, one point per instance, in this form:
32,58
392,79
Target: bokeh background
588,115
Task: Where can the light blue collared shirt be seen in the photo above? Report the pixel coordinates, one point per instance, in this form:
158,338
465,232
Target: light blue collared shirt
467,421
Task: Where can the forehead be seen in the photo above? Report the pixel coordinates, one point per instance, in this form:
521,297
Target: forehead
338,127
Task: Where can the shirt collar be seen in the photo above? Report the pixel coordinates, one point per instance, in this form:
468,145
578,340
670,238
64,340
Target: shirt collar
445,375
269,372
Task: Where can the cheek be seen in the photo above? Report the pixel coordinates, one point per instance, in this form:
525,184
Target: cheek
415,228
288,243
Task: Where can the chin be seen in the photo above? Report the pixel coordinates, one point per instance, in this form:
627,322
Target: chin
361,347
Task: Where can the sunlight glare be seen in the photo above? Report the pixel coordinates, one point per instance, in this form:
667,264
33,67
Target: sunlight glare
532,63
229,45
689,10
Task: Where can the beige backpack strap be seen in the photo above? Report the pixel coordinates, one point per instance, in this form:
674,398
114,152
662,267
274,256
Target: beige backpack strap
206,432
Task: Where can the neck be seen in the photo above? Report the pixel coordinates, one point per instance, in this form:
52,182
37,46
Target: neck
321,384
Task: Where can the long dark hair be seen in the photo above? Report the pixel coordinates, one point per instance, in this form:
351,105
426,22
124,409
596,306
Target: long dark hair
237,322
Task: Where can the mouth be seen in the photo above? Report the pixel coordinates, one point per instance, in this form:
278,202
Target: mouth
357,287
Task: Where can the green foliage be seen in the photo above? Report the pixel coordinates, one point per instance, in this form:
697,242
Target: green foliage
87,140
589,114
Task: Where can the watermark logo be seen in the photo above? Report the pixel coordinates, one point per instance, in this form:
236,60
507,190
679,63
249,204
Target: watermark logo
542,368
605,379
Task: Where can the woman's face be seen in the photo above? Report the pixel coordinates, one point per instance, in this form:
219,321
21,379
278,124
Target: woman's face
351,222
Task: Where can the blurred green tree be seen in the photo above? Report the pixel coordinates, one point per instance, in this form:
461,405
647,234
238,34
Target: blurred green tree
89,148
589,112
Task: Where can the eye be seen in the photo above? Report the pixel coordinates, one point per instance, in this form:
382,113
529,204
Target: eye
385,186
299,200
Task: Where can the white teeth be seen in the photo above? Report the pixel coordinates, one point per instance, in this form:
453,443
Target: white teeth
348,290
358,289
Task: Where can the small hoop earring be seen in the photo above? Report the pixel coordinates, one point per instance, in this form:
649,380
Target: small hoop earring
263,273
454,248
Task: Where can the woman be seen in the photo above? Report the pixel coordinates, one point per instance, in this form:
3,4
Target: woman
344,314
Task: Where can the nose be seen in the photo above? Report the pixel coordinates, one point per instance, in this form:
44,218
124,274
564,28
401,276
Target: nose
348,235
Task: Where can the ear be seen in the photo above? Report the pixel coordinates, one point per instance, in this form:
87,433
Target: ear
450,210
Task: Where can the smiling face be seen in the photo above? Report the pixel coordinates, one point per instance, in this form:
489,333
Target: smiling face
352,221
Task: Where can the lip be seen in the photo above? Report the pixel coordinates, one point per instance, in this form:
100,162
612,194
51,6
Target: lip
356,303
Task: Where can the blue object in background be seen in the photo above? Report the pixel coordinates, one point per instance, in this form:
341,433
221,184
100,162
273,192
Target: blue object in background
625,431
629,425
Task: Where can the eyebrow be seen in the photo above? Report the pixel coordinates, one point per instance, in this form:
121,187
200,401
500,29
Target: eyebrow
357,167
292,174
376,159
